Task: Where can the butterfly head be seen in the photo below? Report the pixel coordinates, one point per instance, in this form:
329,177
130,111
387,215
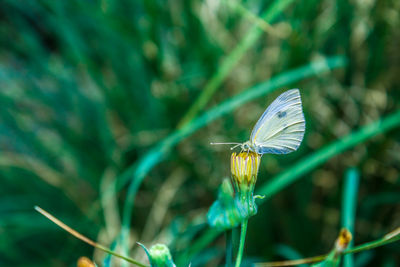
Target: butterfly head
246,146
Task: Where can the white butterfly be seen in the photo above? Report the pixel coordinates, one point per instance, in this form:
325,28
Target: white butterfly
281,127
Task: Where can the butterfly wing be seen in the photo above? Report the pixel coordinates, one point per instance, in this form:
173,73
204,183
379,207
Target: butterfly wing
280,129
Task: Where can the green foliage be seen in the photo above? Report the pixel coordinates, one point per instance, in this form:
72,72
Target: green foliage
107,109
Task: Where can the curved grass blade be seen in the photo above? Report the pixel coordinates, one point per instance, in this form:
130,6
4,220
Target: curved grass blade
349,203
84,238
322,155
137,172
292,262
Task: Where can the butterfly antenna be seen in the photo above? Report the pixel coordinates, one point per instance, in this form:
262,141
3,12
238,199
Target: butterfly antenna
239,144
225,143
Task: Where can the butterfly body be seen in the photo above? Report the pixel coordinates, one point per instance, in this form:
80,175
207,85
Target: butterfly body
281,127
248,146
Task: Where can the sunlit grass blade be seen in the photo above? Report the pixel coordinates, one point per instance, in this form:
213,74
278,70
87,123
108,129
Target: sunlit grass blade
309,163
84,238
349,203
137,172
232,59
292,262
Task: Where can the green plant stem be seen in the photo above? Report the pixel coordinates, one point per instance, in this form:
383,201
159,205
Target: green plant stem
229,248
374,244
349,203
241,244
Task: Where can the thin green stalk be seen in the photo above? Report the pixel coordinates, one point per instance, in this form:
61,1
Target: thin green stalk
387,239
229,248
241,244
349,208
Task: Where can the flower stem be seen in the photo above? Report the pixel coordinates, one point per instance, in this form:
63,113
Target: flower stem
241,244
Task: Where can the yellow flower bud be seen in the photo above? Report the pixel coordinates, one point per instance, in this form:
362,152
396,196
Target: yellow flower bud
244,169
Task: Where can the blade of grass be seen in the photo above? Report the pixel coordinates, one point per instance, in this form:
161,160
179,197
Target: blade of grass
137,172
232,59
84,238
349,202
387,239
322,155
291,262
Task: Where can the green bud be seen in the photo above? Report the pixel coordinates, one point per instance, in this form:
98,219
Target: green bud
159,255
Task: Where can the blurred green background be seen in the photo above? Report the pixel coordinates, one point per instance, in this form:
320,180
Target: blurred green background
97,94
